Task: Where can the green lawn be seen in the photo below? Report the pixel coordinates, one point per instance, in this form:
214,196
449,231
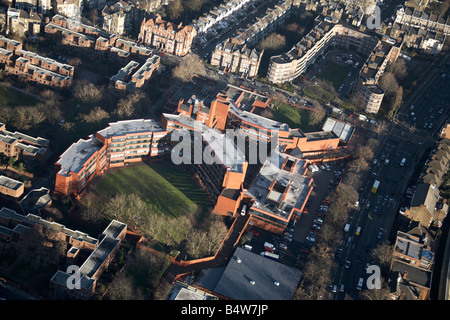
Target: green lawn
318,93
10,97
165,189
335,74
293,117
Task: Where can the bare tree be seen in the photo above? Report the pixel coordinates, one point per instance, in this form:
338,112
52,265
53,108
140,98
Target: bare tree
174,9
398,68
317,114
191,65
194,5
388,83
358,164
383,256
116,206
87,92
273,41
123,288
377,294
96,115
7,114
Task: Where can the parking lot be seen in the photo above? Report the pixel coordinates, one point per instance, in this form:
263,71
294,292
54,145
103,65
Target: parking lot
293,246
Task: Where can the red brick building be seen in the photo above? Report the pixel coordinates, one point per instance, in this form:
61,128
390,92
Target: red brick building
166,36
121,143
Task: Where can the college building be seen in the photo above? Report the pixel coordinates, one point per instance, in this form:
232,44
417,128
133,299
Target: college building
119,144
209,134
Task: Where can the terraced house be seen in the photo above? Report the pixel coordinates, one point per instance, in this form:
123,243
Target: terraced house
22,146
237,59
166,36
30,66
83,36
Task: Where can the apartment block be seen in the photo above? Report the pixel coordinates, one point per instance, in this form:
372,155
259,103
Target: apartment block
15,228
91,268
288,66
167,37
236,58
11,187
416,250
281,188
128,78
121,143
88,37
22,146
29,66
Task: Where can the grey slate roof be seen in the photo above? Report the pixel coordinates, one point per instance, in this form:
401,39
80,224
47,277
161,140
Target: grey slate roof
235,282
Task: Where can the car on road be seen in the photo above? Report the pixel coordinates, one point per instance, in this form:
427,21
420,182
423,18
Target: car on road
318,221
360,284
380,235
334,288
347,264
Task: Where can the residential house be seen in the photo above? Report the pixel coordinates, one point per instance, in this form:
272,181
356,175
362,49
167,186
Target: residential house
236,58
166,36
119,17
22,146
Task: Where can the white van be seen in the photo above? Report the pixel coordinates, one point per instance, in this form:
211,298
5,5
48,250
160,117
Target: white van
244,210
360,283
347,227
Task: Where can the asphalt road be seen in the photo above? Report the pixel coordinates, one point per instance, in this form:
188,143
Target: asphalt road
407,138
